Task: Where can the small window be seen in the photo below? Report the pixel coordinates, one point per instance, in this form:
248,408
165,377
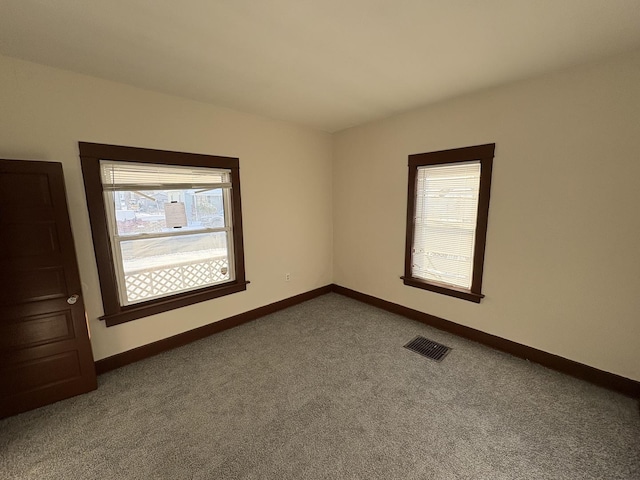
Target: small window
447,211
167,228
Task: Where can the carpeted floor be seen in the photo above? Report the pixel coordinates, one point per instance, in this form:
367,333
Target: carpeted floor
325,390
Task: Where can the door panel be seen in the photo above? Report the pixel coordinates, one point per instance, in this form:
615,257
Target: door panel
29,240
29,189
43,371
33,284
37,330
45,353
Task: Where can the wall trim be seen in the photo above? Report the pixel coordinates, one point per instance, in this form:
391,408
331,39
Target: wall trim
575,369
145,351
593,375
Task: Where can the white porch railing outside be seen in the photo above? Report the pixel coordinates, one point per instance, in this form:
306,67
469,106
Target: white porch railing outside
147,283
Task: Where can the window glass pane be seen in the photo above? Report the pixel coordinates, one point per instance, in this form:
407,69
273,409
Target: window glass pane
156,267
445,223
161,211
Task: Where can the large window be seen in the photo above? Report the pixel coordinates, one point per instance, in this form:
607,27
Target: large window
167,228
447,211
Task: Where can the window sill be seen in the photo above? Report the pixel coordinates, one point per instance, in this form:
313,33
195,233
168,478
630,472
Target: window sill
153,307
445,290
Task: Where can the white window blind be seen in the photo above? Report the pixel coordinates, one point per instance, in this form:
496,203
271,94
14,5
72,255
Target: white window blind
445,223
125,175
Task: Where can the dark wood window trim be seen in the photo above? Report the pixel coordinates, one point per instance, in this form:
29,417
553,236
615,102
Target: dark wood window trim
483,153
114,313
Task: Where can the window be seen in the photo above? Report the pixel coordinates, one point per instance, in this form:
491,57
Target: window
167,228
447,211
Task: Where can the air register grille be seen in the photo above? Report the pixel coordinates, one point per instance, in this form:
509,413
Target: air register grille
428,348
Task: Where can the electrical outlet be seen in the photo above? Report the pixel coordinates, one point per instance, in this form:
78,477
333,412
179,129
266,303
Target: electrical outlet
287,277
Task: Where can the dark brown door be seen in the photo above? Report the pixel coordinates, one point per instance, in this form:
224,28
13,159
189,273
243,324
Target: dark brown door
45,354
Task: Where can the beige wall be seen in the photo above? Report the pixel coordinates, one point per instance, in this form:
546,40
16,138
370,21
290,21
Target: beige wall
562,263
562,267
285,175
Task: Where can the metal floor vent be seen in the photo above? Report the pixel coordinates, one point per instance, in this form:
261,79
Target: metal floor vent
428,348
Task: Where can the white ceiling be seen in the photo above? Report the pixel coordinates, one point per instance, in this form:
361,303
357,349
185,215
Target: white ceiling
329,64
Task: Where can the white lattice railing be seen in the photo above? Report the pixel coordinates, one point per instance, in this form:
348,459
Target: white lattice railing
152,282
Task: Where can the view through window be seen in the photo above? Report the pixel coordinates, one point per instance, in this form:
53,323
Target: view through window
170,227
167,228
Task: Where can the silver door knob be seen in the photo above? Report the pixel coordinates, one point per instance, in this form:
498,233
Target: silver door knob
73,299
